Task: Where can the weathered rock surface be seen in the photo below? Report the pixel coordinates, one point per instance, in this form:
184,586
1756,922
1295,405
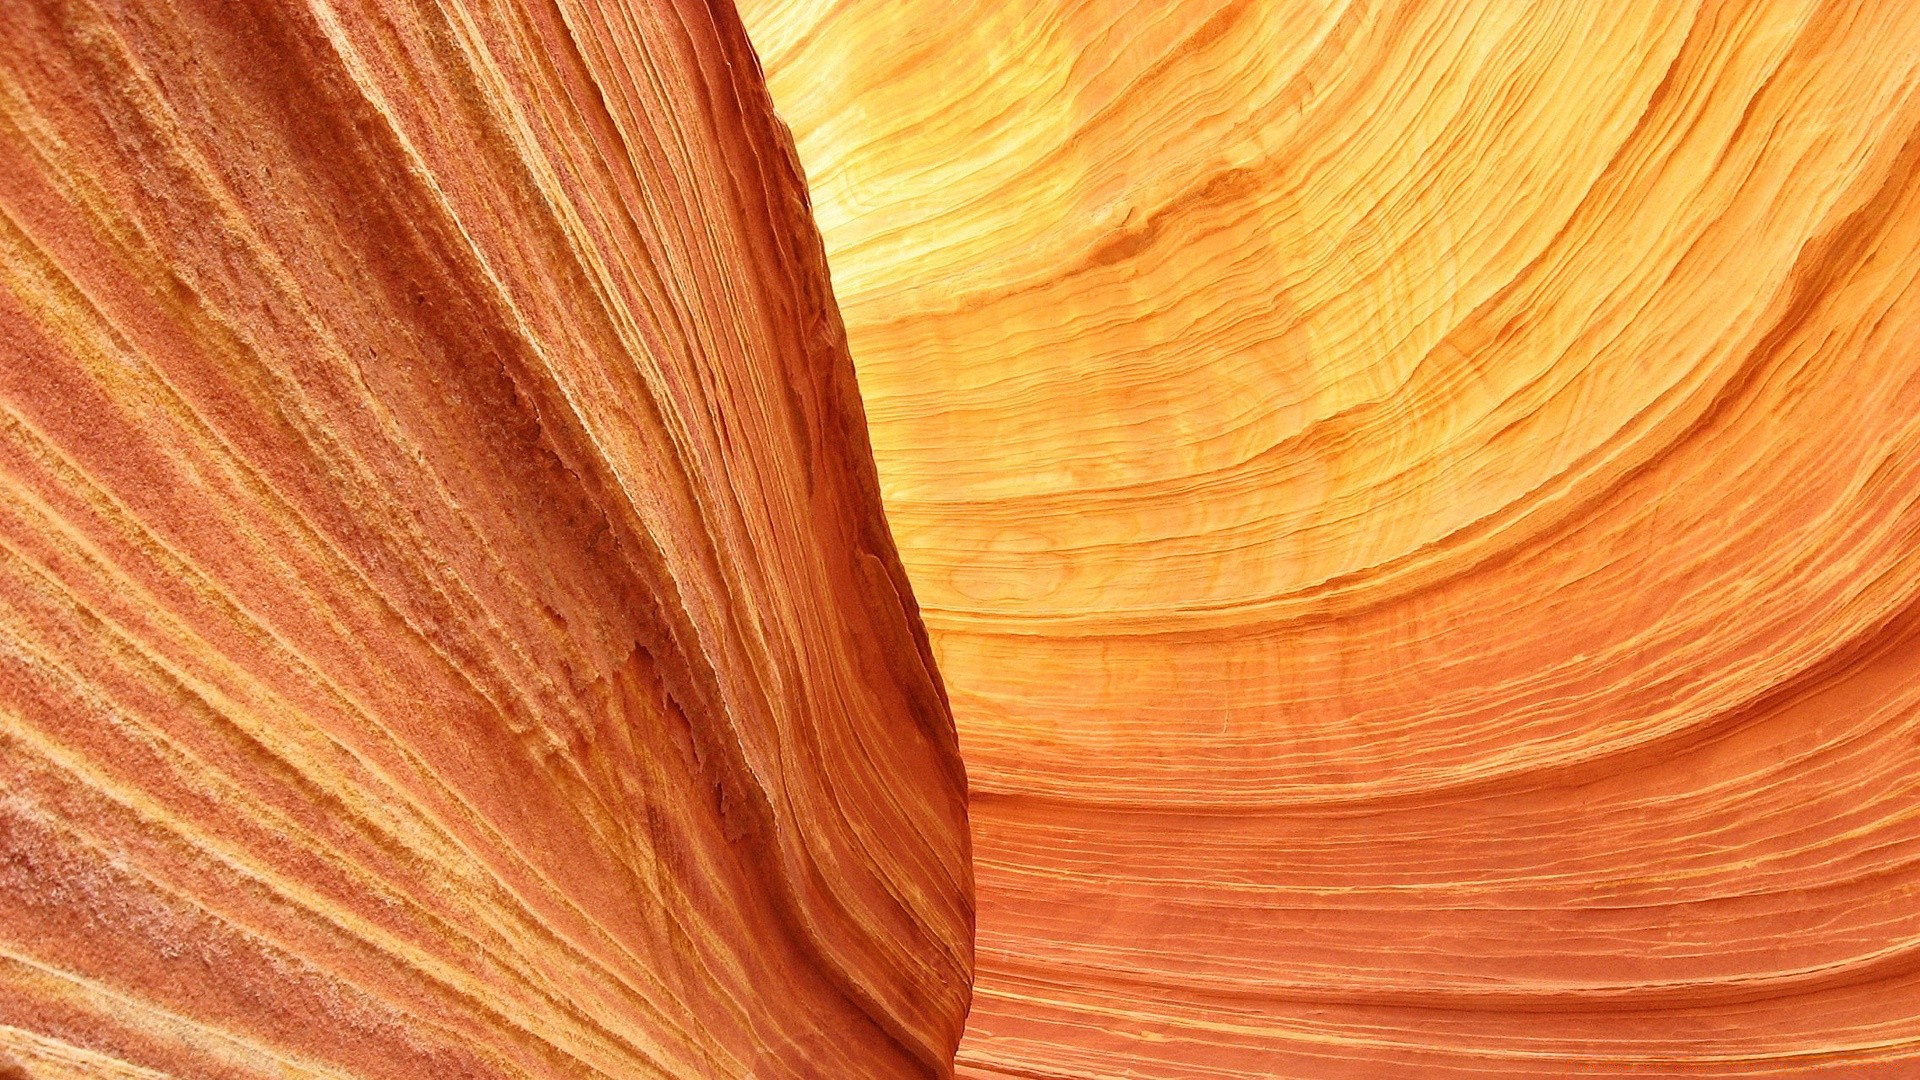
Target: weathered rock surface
1416,508
447,626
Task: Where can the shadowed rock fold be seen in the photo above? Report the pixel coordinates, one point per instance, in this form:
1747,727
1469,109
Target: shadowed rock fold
447,626
1415,504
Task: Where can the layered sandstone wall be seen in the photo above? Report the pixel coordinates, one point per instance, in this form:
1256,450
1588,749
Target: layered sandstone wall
1415,503
1417,506
447,626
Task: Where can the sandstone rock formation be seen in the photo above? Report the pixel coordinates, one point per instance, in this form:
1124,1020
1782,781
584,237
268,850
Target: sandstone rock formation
1417,508
1415,503
447,626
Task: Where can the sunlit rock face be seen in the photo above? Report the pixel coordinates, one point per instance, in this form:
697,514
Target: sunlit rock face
1415,504
447,625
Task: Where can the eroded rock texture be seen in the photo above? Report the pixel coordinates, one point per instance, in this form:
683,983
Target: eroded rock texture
447,628
1416,507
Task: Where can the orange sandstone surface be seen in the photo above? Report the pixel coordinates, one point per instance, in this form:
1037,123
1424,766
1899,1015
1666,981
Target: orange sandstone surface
447,624
1415,507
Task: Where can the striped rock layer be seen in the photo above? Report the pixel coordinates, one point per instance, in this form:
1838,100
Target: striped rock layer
447,625
1417,505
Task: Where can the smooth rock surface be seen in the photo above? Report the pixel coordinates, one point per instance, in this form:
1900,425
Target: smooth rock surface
1415,504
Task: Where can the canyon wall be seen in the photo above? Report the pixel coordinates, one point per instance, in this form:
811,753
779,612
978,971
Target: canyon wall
1415,504
447,625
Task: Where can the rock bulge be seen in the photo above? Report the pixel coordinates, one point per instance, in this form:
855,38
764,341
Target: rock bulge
447,626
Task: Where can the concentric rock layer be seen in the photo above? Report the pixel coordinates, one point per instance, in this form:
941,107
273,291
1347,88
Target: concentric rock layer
1415,504
447,626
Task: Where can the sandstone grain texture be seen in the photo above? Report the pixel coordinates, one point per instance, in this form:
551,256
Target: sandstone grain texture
447,625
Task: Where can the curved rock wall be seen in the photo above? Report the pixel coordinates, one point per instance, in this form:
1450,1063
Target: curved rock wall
1416,508
447,626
